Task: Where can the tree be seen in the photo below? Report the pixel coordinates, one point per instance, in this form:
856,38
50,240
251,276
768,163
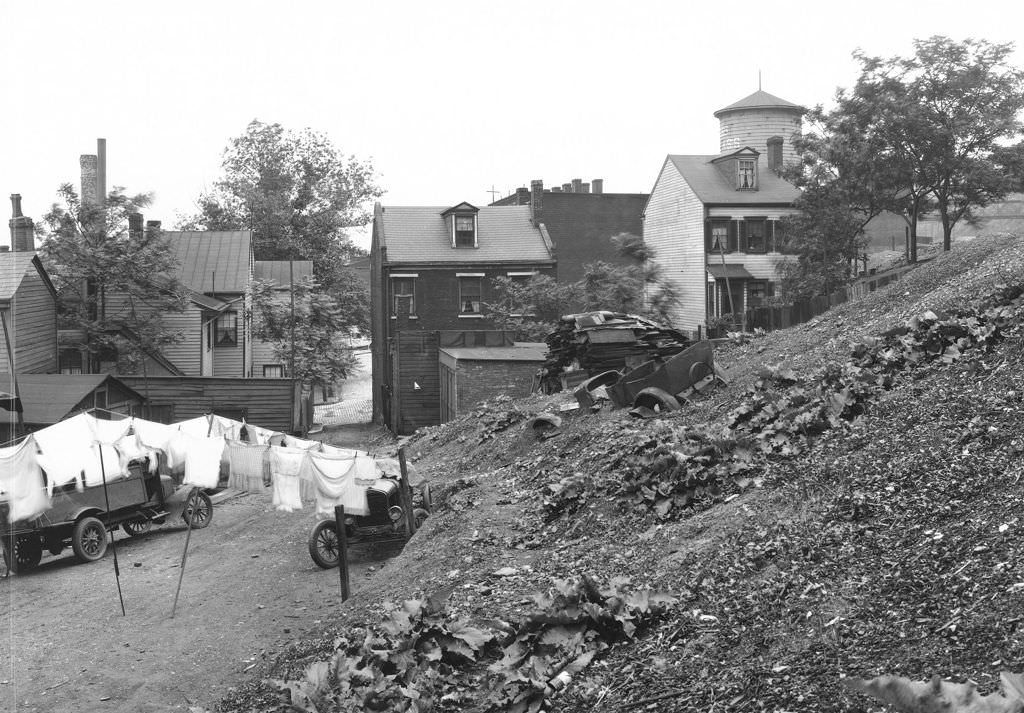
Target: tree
939,117
296,193
317,351
115,284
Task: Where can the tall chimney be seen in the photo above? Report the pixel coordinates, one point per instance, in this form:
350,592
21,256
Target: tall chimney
577,185
597,185
23,230
89,165
536,200
101,170
135,225
522,196
566,188
585,187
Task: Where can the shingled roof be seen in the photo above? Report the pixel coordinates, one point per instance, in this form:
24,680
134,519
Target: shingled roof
417,234
760,100
712,186
212,260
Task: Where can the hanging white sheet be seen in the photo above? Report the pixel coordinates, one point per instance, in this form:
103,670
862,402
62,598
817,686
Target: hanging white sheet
21,481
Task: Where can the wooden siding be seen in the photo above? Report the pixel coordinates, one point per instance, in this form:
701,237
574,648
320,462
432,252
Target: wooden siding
186,353
416,365
674,228
753,128
270,403
262,355
32,323
229,361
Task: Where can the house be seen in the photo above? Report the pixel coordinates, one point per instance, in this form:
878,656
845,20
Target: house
470,375
713,220
281,273
27,303
432,273
581,219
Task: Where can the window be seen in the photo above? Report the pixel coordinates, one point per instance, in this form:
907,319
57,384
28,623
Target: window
465,231
273,371
756,293
469,295
403,295
721,236
225,330
746,173
755,230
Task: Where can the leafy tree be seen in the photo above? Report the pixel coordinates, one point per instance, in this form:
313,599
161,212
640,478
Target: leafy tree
938,117
323,323
1010,160
296,193
115,284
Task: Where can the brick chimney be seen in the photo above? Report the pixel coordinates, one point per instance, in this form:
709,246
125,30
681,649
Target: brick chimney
577,185
101,170
537,200
90,188
522,196
585,188
566,188
597,185
135,225
23,230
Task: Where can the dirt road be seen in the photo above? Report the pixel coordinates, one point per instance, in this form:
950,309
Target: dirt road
249,588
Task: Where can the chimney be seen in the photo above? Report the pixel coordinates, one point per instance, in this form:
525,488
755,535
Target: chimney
536,200
566,188
775,154
586,188
101,170
556,189
153,226
89,166
522,196
23,230
597,185
577,185
135,226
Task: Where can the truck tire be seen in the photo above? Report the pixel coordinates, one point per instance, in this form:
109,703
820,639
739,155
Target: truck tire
89,539
28,550
323,543
198,510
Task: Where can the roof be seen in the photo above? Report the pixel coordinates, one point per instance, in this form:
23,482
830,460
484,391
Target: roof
206,302
712,186
521,351
727,271
48,398
761,100
212,260
277,270
14,266
417,234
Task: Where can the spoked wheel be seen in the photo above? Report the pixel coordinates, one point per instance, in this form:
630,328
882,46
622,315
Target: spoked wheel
28,550
419,516
198,510
89,539
137,527
324,547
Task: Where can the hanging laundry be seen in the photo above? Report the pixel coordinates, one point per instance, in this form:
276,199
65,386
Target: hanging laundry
202,461
63,467
108,431
293,442
286,467
153,434
336,484
336,451
102,464
260,435
75,433
229,427
201,426
250,466
129,448
21,482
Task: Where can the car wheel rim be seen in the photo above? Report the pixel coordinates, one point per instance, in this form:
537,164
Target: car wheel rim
91,541
328,545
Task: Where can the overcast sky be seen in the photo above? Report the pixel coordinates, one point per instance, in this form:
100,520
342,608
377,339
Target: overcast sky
447,99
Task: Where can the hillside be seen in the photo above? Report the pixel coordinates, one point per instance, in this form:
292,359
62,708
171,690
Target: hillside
804,523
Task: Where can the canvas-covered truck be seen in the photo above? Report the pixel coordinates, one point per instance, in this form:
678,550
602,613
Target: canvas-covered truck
80,517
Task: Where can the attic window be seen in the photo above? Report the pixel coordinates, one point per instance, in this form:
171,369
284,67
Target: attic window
746,168
465,231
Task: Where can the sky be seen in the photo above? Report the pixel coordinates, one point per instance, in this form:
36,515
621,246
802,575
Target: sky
448,100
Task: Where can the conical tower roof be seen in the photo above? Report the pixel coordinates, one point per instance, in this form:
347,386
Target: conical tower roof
761,100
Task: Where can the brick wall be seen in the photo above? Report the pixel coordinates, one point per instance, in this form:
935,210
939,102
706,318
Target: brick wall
482,380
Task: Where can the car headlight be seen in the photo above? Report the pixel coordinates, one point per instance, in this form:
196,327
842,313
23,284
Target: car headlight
395,513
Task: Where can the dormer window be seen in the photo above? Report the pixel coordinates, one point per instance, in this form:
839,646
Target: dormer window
746,173
461,224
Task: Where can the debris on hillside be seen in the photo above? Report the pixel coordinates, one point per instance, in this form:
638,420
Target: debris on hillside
938,695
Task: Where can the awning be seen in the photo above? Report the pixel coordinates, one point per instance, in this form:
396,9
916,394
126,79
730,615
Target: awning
732,272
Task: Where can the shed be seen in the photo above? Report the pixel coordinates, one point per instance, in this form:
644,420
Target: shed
470,375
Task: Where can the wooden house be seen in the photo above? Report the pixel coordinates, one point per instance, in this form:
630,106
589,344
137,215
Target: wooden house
713,220
432,272
281,273
28,310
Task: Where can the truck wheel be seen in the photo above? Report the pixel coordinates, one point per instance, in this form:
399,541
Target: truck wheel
89,539
419,516
323,544
28,550
138,527
198,511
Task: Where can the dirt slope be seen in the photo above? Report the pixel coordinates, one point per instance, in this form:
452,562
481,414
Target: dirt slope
889,545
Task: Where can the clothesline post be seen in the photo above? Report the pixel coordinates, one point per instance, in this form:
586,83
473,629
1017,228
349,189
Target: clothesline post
339,523
184,555
405,495
113,545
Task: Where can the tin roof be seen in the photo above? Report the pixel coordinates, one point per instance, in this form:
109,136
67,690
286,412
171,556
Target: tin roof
521,351
712,186
277,271
730,271
417,234
760,100
212,260
48,398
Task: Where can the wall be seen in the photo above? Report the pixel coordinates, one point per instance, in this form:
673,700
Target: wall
415,382
32,323
478,381
754,127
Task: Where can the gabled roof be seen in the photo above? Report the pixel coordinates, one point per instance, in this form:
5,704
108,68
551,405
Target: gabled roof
13,268
48,398
761,100
460,208
277,271
712,186
417,234
212,260
745,151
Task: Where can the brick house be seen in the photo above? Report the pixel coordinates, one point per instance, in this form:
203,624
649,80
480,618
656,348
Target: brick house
713,220
581,220
432,271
